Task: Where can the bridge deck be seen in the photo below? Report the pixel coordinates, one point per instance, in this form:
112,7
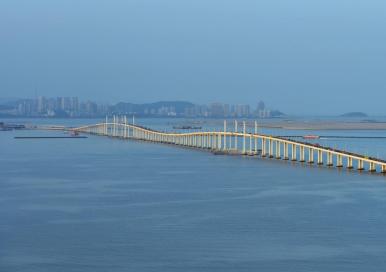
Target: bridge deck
214,141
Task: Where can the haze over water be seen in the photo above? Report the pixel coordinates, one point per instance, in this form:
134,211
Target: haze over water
102,204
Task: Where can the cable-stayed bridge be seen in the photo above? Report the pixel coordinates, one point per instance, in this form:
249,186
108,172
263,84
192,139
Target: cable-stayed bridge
241,142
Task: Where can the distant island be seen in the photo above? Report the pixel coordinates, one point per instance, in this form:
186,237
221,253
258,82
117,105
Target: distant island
354,114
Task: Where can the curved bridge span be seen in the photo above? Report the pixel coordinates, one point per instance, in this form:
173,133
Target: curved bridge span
241,143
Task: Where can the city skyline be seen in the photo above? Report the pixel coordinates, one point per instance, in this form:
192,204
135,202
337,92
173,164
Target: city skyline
74,107
305,58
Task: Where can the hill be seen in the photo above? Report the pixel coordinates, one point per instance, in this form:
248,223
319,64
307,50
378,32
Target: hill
354,115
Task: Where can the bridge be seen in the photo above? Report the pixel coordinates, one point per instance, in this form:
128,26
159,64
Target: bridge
237,142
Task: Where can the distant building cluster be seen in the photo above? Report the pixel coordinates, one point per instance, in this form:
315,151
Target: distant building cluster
55,107
72,107
217,110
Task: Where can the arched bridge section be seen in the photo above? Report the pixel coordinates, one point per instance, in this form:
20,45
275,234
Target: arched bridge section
241,143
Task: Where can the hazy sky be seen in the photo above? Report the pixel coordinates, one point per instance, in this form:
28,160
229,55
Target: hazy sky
300,56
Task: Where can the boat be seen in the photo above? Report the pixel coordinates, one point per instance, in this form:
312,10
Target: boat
186,127
311,137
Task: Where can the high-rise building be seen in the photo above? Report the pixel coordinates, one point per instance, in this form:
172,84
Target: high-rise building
217,109
41,104
74,104
241,110
260,105
261,111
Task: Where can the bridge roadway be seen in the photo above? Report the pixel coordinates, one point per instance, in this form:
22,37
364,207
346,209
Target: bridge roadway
252,144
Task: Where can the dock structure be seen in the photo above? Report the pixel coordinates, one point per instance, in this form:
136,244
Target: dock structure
226,142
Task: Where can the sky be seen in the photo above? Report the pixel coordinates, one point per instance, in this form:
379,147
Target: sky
317,57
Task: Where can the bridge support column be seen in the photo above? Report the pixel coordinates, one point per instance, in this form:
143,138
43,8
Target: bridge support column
278,151
225,136
293,152
113,127
350,163
302,154
339,161
263,147
310,155
360,165
320,157
286,157
250,144
372,167
106,122
244,149
256,142
125,128
383,168
270,148
236,137
329,159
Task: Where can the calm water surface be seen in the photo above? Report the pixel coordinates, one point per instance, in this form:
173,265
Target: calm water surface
101,204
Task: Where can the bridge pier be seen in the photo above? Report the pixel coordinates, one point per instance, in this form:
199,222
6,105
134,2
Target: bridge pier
329,159
244,136
320,157
270,148
383,168
250,145
225,137
278,151
114,123
293,152
350,163
256,141
302,154
106,121
236,137
310,155
372,167
263,147
339,161
360,165
286,157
